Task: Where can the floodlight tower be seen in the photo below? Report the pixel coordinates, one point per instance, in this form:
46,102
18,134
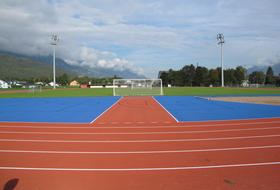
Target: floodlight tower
55,40
220,38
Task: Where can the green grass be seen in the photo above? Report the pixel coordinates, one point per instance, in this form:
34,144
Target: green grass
217,91
80,92
67,92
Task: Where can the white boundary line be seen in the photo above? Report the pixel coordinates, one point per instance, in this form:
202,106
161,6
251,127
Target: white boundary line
166,110
139,133
137,141
137,152
106,110
135,127
140,169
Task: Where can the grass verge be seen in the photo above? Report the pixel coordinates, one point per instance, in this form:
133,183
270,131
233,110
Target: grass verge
187,91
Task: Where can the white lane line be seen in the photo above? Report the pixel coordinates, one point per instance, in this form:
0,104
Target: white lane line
106,110
139,133
137,141
166,110
138,152
140,169
89,126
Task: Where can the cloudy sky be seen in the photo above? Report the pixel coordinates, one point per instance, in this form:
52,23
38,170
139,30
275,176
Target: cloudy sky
144,35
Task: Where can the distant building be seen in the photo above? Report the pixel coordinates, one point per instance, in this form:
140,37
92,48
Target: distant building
74,83
4,84
51,84
41,83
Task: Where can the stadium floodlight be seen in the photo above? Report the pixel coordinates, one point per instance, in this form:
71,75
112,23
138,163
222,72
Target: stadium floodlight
55,40
220,38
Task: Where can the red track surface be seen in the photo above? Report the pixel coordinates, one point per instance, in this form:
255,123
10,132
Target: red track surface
136,144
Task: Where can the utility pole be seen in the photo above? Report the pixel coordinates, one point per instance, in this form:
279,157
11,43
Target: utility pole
55,40
221,40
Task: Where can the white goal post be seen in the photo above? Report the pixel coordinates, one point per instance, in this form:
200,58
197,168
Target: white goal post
35,88
137,87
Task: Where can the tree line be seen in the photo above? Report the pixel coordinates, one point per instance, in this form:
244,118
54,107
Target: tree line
190,75
65,80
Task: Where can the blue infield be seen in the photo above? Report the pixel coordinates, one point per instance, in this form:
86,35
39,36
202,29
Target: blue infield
87,109
192,108
54,110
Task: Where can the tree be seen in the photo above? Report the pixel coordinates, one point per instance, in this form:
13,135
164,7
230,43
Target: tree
239,74
214,77
83,80
270,78
178,78
164,78
63,79
45,79
257,77
31,80
230,78
116,77
201,76
188,73
170,76
277,80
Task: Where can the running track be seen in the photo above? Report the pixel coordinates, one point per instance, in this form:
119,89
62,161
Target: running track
136,144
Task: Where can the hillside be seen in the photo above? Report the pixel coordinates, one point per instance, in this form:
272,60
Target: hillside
275,68
20,67
79,70
87,71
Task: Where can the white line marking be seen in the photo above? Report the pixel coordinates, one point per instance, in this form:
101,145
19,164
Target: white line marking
89,126
106,110
114,122
138,141
140,169
137,152
166,110
139,133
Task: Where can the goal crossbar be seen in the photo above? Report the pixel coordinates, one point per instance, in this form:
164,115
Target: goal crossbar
137,87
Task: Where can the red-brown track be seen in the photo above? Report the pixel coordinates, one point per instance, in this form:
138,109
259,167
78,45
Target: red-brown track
137,144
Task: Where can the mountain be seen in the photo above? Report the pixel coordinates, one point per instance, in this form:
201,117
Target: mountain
82,70
275,68
21,67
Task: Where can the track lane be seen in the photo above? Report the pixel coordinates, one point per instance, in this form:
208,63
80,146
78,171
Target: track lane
199,169
136,111
141,160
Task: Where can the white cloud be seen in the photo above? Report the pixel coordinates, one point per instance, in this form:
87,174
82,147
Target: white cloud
142,35
90,57
268,61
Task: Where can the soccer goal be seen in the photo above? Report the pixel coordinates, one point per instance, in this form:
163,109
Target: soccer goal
137,87
35,88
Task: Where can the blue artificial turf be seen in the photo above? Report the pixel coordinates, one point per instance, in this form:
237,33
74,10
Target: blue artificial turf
191,108
54,110
87,109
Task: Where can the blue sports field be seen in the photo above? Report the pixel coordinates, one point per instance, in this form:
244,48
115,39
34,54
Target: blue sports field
87,109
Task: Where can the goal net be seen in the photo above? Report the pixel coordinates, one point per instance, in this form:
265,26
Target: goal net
137,87
35,88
